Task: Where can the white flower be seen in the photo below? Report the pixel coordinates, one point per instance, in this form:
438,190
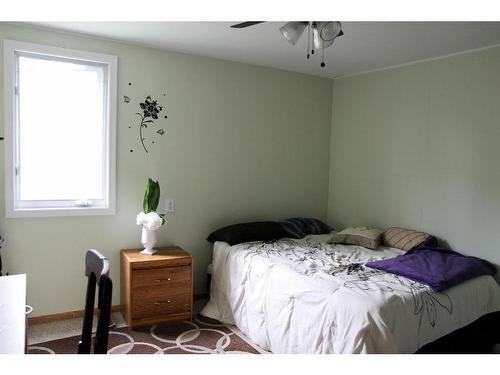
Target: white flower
140,218
151,220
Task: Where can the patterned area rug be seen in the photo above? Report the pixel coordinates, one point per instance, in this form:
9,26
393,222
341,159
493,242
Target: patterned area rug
200,336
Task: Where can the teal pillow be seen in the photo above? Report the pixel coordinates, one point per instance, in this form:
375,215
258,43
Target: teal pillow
299,227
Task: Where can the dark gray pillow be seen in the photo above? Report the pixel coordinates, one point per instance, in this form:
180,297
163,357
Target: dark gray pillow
248,232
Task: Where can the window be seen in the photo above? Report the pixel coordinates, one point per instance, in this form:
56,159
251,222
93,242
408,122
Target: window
59,131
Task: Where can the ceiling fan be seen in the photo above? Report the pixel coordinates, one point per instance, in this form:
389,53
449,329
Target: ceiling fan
323,33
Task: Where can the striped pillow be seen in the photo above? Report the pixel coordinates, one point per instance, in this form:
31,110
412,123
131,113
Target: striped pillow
404,239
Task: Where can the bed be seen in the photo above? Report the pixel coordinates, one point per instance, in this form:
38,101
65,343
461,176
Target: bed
309,296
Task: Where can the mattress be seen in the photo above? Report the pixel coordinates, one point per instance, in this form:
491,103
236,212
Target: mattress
308,296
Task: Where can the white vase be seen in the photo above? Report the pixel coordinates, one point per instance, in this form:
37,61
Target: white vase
148,240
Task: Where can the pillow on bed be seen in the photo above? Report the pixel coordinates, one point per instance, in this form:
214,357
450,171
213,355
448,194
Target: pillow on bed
362,236
248,232
406,239
299,227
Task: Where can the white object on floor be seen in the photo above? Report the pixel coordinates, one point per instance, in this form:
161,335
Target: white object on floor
307,296
12,314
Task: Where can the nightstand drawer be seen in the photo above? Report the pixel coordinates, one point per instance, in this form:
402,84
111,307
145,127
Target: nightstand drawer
171,277
153,307
159,291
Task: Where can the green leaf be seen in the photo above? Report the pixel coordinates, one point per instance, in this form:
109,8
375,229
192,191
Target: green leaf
163,220
145,202
151,196
147,207
155,197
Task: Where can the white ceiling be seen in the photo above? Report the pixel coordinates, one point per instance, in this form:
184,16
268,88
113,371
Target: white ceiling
365,45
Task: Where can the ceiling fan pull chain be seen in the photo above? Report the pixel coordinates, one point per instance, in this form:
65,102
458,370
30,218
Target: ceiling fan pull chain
323,56
313,27
308,38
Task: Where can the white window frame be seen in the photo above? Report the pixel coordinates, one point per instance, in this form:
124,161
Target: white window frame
13,208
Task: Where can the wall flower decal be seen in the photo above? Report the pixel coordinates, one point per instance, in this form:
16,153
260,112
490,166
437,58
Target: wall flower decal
150,110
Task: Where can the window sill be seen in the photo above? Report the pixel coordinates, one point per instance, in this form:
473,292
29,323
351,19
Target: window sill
58,212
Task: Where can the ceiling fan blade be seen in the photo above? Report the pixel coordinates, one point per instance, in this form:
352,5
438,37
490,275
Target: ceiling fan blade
245,24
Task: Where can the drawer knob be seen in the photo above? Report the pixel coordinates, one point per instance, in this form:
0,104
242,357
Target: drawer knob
160,280
162,302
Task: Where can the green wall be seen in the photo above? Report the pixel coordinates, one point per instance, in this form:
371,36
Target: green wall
416,146
242,143
419,147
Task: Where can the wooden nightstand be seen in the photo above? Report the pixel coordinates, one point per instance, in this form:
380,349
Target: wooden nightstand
156,288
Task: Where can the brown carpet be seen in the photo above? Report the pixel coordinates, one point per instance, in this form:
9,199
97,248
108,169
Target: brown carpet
200,336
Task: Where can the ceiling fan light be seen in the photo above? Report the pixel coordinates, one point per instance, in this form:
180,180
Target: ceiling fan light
292,31
325,33
318,42
331,30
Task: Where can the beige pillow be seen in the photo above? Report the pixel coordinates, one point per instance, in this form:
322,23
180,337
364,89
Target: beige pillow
404,239
362,236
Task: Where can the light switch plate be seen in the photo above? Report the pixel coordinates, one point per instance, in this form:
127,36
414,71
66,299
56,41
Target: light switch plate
169,205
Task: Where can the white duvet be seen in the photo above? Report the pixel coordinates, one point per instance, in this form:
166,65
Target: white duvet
307,296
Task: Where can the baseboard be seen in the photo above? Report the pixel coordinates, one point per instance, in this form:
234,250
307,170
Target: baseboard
79,313
63,316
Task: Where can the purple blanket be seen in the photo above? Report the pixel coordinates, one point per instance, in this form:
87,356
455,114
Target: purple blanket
436,267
